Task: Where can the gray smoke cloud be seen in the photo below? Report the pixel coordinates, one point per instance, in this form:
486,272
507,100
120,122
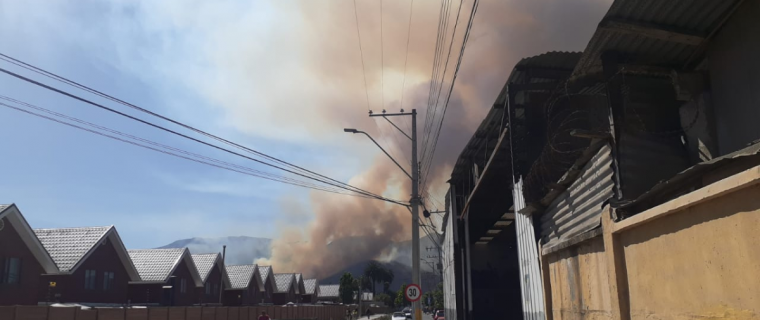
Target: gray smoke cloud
346,231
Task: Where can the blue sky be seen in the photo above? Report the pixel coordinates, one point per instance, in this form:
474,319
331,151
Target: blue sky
62,177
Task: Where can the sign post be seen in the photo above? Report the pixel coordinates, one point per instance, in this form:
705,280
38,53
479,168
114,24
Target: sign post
413,293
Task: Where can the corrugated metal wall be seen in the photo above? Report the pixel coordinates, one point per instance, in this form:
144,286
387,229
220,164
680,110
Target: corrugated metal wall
449,271
530,273
578,209
448,259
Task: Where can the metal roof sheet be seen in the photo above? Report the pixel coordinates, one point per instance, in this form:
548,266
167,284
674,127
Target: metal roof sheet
240,275
205,262
156,264
329,291
698,17
283,281
3,207
67,246
310,285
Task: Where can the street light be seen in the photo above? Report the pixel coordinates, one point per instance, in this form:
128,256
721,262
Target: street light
351,130
414,201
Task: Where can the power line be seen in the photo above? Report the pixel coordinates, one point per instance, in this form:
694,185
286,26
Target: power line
204,160
305,172
406,57
445,68
440,43
382,59
453,81
361,54
334,182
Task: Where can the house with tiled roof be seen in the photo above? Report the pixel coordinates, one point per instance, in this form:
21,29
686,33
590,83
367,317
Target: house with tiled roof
214,277
285,288
94,267
329,292
22,259
311,291
167,277
267,278
246,286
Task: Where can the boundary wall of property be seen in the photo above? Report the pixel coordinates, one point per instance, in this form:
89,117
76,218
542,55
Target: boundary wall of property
171,313
694,257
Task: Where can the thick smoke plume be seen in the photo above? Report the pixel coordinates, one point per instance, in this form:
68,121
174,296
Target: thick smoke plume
349,230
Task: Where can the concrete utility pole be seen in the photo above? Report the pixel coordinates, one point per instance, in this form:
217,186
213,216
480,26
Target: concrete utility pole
414,202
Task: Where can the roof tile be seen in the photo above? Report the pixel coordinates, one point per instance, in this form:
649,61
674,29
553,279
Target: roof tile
240,275
283,281
156,264
329,291
69,245
264,271
310,285
205,263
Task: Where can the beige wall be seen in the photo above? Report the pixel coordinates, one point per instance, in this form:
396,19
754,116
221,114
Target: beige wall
694,257
702,262
579,284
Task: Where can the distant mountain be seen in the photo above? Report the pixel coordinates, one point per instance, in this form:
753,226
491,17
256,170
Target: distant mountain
402,275
240,250
403,252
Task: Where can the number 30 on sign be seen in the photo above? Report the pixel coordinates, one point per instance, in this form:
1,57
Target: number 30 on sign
413,292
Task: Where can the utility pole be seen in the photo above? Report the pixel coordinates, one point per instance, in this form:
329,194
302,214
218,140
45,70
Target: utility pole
414,202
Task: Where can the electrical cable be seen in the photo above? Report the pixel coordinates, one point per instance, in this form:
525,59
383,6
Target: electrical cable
453,81
339,185
361,54
64,80
219,163
406,57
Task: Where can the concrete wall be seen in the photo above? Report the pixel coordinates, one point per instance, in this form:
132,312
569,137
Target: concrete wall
579,283
700,262
735,78
694,257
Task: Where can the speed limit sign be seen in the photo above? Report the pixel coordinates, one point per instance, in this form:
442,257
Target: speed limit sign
413,292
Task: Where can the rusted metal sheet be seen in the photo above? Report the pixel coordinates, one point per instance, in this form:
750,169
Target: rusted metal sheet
527,250
577,210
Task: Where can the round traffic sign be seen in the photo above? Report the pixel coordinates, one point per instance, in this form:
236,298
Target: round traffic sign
413,292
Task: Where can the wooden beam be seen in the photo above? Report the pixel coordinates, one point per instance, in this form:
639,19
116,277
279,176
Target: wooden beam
485,171
652,31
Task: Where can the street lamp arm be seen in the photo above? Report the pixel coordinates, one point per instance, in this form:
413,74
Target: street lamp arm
386,153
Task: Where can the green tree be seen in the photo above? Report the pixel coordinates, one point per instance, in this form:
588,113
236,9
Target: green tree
438,297
385,298
347,288
400,298
373,271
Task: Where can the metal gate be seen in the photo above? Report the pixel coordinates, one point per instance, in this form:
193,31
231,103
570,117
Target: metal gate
527,250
